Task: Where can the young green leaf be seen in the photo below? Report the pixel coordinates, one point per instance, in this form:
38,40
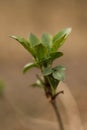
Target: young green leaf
21,40
39,82
47,71
29,66
50,58
54,82
40,51
55,55
59,39
24,43
33,40
46,40
59,73
59,68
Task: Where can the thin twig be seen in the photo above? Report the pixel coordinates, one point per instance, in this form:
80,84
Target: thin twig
58,93
59,119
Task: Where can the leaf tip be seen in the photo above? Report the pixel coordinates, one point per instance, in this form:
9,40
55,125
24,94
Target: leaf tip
69,30
13,36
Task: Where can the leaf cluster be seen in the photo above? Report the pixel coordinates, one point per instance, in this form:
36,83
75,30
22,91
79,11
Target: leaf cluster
44,52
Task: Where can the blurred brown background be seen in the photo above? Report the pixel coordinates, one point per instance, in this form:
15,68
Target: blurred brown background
20,17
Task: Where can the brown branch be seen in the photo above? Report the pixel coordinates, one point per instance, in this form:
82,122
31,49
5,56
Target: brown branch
59,119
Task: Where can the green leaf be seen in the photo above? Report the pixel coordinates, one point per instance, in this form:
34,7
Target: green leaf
60,38
24,43
54,82
55,55
47,71
40,51
39,82
33,40
50,58
59,68
21,40
59,73
46,40
29,66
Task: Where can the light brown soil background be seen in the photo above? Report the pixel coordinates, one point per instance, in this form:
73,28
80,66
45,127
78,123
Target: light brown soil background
20,17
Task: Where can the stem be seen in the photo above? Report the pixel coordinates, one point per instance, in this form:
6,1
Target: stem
59,119
51,95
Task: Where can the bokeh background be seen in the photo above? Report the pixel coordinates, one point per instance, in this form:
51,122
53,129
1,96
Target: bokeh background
20,17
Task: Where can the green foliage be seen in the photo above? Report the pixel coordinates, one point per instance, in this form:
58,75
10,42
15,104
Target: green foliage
40,51
59,73
33,40
46,39
47,71
25,44
39,83
29,66
55,55
59,39
44,52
